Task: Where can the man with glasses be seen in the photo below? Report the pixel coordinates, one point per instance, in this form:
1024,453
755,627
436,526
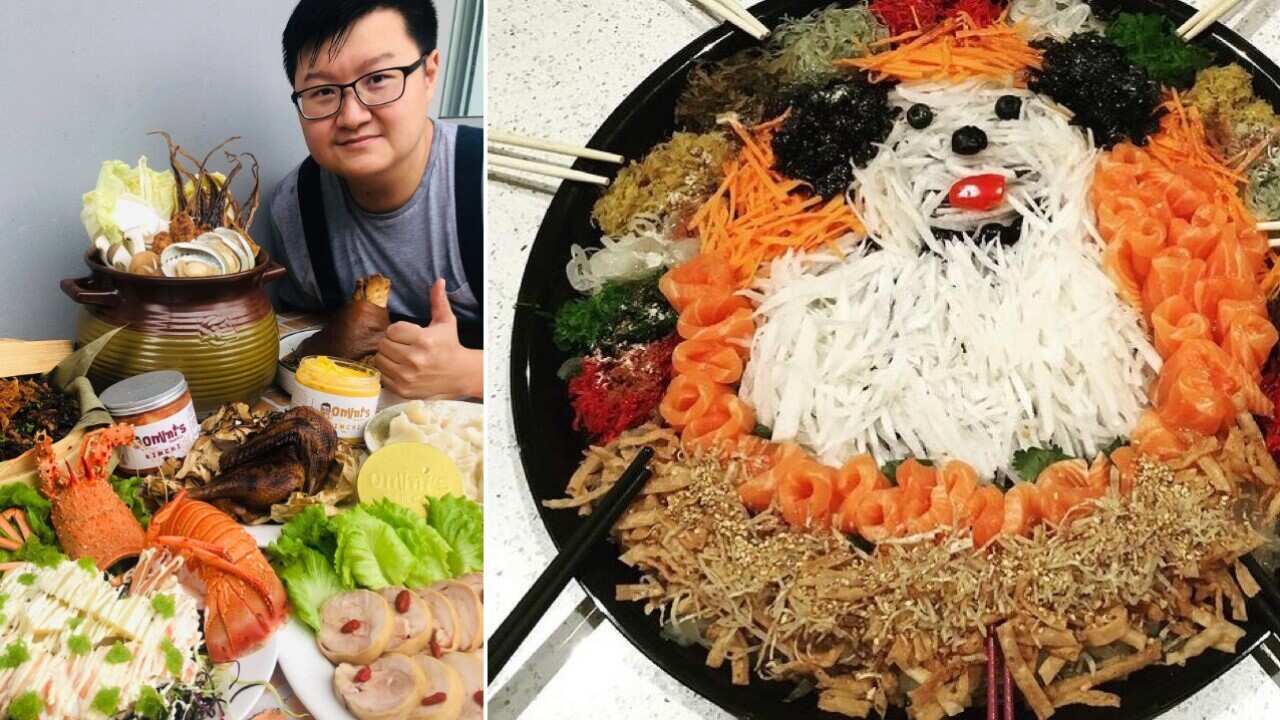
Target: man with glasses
386,190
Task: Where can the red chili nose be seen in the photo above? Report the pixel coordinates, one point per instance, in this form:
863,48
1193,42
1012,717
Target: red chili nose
977,192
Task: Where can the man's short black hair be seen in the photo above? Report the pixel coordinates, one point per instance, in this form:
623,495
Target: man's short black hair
316,22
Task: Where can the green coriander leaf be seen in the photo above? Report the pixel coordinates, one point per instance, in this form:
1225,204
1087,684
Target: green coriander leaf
79,645
14,655
26,706
86,563
118,654
1031,462
163,605
1115,445
27,578
107,701
150,705
172,657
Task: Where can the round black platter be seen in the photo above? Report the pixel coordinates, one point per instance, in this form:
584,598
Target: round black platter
550,450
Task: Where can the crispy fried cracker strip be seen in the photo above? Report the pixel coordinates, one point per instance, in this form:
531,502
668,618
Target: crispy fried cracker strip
1022,673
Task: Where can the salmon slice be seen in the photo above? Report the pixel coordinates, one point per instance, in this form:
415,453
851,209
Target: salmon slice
709,358
1125,460
960,481
805,494
1175,322
916,481
1173,273
1145,237
1021,509
1198,235
1117,261
684,283
879,517
1230,259
758,492
1117,210
1063,485
717,316
689,397
1152,437
1210,291
986,505
728,418
854,481
1249,338
1181,193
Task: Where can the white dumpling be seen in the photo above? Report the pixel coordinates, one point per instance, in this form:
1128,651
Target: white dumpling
402,430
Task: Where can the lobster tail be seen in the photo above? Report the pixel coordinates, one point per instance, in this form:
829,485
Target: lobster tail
245,600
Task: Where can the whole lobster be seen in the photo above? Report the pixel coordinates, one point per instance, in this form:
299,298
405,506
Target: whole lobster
244,599
89,518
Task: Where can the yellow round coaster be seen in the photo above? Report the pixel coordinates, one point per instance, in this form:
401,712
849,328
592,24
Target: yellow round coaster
407,473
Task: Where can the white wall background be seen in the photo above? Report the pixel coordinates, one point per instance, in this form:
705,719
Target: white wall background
82,81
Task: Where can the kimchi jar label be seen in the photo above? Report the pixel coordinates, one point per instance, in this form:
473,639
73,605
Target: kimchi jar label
156,441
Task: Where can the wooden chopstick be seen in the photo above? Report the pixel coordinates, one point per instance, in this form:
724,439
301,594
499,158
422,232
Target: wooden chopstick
526,614
545,168
1268,601
532,143
719,10
1202,20
741,11
1269,226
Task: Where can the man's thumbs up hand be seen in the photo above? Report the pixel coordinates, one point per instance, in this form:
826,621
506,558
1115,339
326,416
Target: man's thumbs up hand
422,362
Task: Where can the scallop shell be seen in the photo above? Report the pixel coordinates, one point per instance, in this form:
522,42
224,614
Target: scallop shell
240,244
191,260
225,251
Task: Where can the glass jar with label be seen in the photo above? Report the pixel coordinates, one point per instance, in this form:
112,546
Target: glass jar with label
345,392
158,406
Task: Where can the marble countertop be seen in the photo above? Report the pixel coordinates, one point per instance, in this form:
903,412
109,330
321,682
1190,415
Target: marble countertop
557,68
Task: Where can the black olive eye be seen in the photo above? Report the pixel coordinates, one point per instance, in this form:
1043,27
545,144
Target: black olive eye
1009,107
968,140
919,116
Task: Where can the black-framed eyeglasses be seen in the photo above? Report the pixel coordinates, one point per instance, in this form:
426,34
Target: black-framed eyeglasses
372,89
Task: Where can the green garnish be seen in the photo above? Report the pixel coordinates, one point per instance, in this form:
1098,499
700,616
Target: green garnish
4,598
149,704
86,563
622,313
26,706
14,655
27,578
78,644
762,431
74,622
107,701
1031,462
172,657
3,619
118,654
163,605
1152,42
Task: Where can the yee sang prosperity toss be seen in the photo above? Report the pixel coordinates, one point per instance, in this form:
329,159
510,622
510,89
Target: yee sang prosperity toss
948,323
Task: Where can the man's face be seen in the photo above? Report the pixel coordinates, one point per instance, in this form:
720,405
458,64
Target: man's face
359,141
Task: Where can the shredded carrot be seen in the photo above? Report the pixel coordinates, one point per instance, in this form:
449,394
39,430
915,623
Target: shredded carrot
955,49
1182,143
757,214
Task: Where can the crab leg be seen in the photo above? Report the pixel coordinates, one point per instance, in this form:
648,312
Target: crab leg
215,560
20,518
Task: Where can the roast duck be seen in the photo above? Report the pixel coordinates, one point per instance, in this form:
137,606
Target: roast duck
354,331
292,453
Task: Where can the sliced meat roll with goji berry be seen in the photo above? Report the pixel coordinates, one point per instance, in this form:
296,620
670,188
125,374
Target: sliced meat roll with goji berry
444,697
355,627
466,603
470,665
413,621
387,689
476,581
445,618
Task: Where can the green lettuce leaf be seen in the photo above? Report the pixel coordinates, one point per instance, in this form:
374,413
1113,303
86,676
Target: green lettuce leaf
127,198
310,579
309,529
130,491
461,523
22,495
369,551
430,550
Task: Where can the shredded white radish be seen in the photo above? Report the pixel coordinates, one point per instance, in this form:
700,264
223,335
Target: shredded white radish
645,247
902,193
968,350
1054,18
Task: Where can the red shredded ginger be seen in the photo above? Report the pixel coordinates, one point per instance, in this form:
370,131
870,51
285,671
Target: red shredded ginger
612,394
982,12
902,16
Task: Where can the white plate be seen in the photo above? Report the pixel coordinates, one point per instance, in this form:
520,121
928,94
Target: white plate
289,343
264,535
309,673
379,423
254,668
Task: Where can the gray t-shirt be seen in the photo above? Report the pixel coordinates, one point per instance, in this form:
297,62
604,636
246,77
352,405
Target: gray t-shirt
413,245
